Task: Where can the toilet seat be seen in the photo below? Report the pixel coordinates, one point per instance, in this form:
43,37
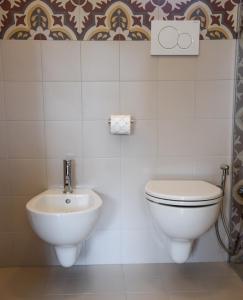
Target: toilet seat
182,193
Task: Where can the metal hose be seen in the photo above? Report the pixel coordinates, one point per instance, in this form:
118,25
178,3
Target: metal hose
225,172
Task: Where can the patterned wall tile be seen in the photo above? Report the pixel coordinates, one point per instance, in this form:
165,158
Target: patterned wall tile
236,221
218,18
52,19
59,20
118,20
111,19
15,20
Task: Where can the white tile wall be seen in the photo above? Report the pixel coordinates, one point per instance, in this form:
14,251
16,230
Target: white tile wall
176,167
177,136
21,61
140,99
134,209
142,141
211,63
63,138
1,64
104,247
214,98
213,137
63,101
27,177
136,63
100,100
25,139
98,142
2,108
100,61
24,101
104,176
179,95
142,245
177,67
55,100
61,61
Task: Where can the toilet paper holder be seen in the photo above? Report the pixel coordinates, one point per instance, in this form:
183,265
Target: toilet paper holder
132,121
120,124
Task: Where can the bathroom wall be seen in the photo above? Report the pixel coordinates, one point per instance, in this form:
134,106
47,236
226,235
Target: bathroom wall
56,98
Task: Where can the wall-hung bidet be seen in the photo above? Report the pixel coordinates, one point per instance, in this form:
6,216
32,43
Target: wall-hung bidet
64,220
183,211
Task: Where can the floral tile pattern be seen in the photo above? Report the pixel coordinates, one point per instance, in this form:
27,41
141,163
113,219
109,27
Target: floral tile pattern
218,18
237,180
111,19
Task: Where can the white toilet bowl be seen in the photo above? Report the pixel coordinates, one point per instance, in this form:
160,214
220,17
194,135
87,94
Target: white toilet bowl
183,210
64,220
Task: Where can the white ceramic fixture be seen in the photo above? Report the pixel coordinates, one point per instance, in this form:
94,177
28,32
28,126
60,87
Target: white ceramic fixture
183,210
64,220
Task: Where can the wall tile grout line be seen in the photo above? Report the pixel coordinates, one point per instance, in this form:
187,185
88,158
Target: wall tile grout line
44,115
5,119
82,132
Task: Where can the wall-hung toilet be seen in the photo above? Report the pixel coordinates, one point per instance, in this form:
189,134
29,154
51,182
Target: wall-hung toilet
183,210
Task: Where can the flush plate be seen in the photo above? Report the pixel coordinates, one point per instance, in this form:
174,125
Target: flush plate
175,37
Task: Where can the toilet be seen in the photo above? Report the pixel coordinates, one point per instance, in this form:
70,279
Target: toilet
183,210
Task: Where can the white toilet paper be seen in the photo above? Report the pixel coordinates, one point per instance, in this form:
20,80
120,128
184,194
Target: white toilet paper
120,124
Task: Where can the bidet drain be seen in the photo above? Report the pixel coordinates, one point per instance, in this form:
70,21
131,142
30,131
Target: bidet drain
68,201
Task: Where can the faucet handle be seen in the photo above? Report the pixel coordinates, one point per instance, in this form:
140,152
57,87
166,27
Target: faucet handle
67,175
67,161
225,168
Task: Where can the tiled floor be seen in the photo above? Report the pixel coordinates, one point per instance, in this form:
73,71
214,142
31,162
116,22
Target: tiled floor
238,269
211,281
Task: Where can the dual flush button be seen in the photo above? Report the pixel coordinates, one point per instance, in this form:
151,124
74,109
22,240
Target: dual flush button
169,38
175,37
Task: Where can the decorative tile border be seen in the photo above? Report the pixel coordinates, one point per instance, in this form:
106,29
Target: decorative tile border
237,178
111,19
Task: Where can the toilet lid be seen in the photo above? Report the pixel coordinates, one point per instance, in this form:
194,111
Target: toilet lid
183,192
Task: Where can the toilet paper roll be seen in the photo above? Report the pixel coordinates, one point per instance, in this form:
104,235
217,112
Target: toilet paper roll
120,124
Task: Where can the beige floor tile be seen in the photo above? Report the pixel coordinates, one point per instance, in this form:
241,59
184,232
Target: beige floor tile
206,281
103,297
223,284
152,270
60,272
5,276
26,283
46,297
104,270
82,297
180,283
229,294
144,284
86,283
161,296
197,269
188,296
238,268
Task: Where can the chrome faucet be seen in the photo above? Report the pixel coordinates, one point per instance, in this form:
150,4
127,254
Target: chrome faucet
67,172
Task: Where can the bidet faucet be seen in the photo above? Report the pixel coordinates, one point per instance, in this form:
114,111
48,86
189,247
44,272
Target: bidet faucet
67,176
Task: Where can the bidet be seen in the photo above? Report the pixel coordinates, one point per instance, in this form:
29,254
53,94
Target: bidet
64,220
